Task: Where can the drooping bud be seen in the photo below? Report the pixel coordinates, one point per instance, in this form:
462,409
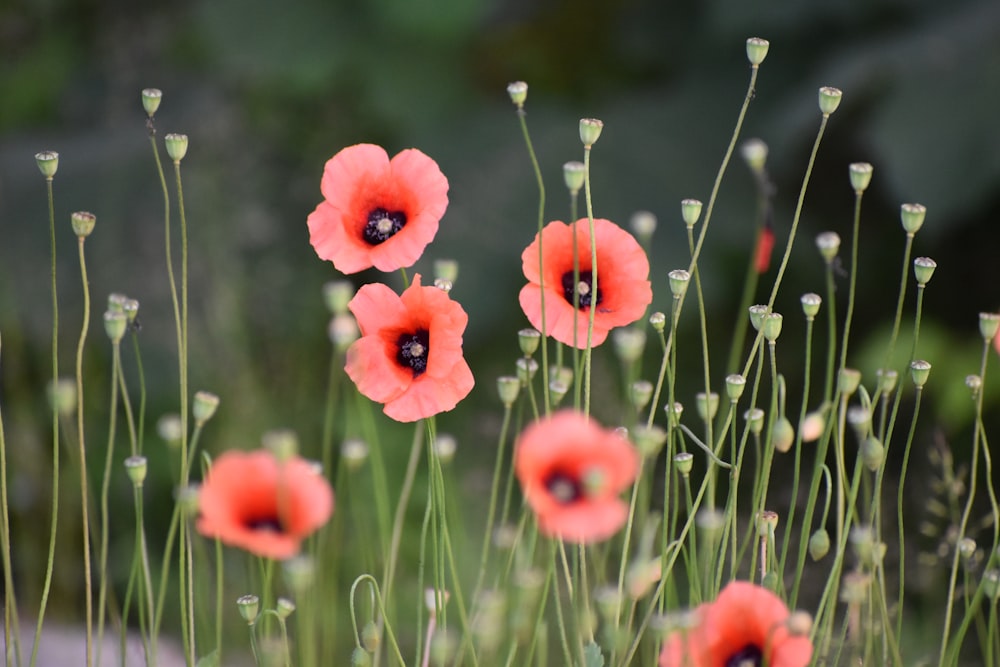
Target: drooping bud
819,544
872,453
782,434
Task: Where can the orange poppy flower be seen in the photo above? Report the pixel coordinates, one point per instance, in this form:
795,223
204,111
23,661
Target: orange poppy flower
745,625
621,294
409,356
572,472
765,246
252,501
377,212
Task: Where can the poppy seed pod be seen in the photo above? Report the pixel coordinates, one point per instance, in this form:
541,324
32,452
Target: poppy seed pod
48,163
151,98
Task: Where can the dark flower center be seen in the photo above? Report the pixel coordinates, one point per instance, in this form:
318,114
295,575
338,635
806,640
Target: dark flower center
748,656
564,488
583,289
413,351
382,225
264,523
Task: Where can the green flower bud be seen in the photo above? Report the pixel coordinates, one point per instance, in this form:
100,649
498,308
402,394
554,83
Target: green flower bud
360,658
249,606
828,244
810,304
707,404
872,453
754,152
135,467
923,269
912,216
177,145
115,324
690,211
518,91
337,294
590,131
204,406
755,419
966,548
508,387
782,434
757,50
679,280
988,324
919,371
83,223
991,584
735,384
829,99
529,340
48,163
861,176
151,98
819,544
574,173
370,637
770,581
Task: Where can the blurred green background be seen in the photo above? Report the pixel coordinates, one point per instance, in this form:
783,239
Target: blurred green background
267,92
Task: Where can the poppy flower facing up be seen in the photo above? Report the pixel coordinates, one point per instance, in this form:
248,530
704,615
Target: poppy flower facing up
377,212
572,472
621,294
251,501
409,356
745,626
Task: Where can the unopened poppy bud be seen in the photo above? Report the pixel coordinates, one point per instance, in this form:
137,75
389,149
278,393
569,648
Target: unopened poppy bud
526,369
354,453
337,294
300,573
370,637
590,131
974,383
574,173
203,406
674,412
284,607
887,379
445,446
249,606
529,339
629,343
912,216
810,304
83,223
177,146
342,331
754,152
649,440
446,269
988,324
735,384
658,321
684,461
518,91
48,163
690,211
679,280
508,387
707,404
755,419
360,657
757,50
848,380
131,309
772,326
115,324
799,624
116,302
170,430
829,99
861,176
151,98
757,313
923,270
991,584
643,223
782,434
640,393
812,427
919,372
872,453
283,443
135,468
62,396
767,523
819,544
828,244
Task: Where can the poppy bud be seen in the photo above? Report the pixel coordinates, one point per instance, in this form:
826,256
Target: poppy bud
658,321
526,369
640,393
782,434
887,379
757,313
819,544
285,607
679,280
370,637
872,453
848,380
988,324
684,461
772,326
707,404
755,419
360,658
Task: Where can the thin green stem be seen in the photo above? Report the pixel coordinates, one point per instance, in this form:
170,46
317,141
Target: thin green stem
12,625
84,494
105,489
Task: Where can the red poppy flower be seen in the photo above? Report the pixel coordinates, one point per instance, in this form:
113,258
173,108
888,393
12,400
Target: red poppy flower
765,246
252,501
745,625
377,212
572,472
409,356
621,294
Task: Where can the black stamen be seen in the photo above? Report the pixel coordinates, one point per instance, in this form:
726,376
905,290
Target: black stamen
564,488
269,523
382,225
413,351
586,295
748,656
